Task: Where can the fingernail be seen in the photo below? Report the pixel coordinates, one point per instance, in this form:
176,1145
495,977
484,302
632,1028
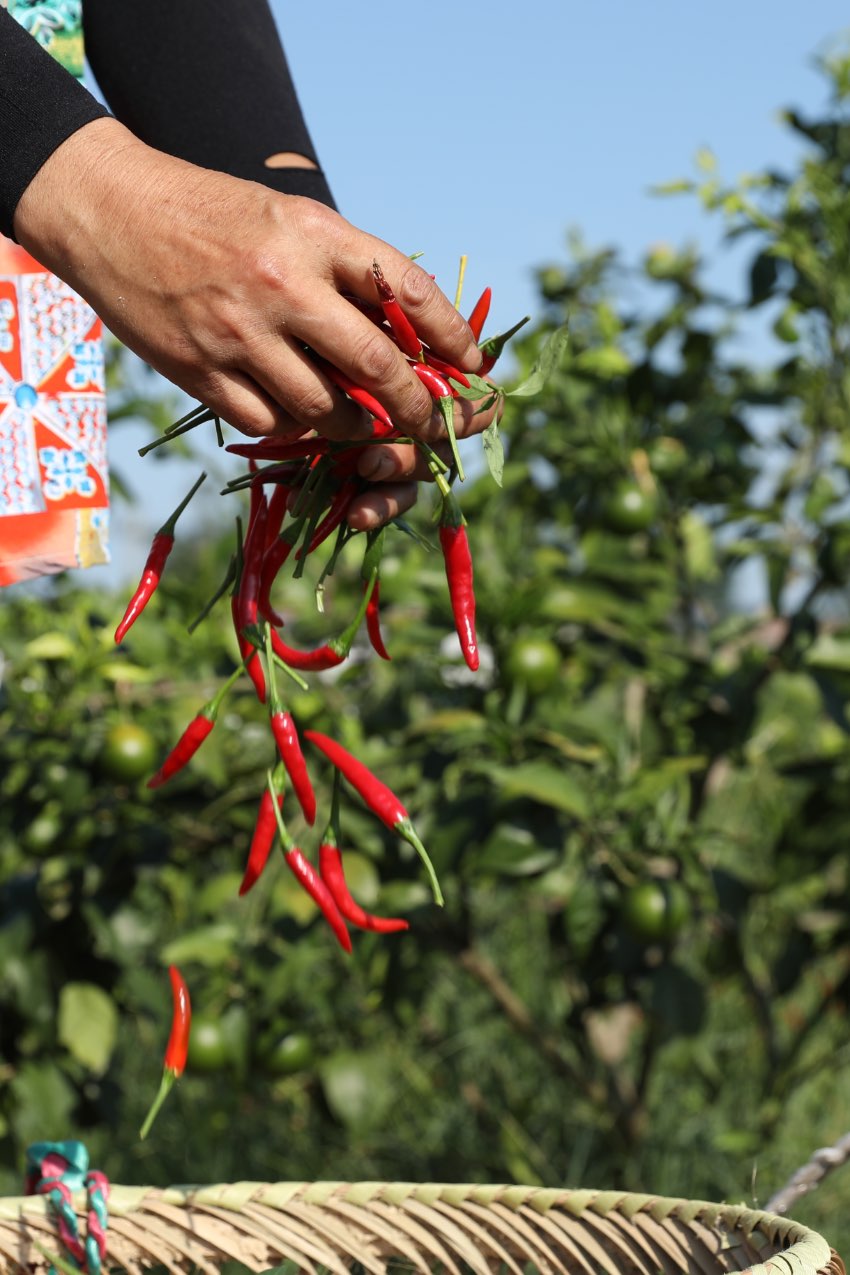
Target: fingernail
377,465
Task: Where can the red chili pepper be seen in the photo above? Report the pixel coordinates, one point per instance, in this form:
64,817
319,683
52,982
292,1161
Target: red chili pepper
333,875
479,314
301,449
402,329
436,385
373,622
321,658
193,736
307,876
289,747
177,1048
380,799
458,560
246,606
356,392
337,510
493,346
446,369
288,744
262,840
161,546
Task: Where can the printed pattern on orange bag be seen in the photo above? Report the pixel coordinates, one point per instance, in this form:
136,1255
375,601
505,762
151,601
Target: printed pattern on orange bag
54,486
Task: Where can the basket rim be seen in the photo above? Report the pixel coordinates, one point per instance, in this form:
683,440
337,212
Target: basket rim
807,1253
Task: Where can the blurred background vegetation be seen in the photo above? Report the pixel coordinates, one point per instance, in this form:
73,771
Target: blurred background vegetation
638,807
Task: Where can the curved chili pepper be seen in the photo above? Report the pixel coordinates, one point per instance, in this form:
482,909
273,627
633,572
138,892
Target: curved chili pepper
177,1048
401,327
161,546
193,736
373,622
479,314
458,560
306,875
333,875
324,657
263,836
380,799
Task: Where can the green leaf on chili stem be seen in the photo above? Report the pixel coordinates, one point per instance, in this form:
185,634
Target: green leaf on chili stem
549,358
494,451
476,389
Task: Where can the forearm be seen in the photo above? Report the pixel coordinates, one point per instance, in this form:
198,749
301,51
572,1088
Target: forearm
41,105
206,81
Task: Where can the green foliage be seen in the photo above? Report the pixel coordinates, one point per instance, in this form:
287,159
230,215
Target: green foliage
661,714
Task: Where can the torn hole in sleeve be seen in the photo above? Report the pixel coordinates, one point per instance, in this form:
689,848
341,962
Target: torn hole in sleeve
289,159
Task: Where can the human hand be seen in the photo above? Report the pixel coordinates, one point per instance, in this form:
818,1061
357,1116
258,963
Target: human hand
219,284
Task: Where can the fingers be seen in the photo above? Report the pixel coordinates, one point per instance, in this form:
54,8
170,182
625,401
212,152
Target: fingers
379,504
433,316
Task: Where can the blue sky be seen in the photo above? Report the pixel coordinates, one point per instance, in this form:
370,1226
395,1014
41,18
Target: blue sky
491,129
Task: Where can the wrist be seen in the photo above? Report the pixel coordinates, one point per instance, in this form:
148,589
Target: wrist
57,216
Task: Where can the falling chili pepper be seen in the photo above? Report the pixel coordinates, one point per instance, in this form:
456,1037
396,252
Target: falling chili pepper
288,743
306,875
177,1048
479,314
161,546
263,836
458,560
333,875
402,329
193,736
380,799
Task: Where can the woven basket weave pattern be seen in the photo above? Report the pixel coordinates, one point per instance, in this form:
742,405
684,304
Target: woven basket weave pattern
332,1226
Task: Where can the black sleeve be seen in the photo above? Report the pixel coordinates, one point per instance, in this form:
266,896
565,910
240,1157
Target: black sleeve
206,80
40,106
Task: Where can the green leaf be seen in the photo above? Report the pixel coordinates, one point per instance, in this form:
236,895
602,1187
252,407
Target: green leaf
515,852
88,1024
209,945
478,387
548,360
359,1087
41,1099
549,785
50,646
494,452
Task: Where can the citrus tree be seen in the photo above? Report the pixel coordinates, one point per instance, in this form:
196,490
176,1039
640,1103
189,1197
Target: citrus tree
637,807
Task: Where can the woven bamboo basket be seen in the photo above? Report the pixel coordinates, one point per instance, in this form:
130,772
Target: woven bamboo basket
380,1226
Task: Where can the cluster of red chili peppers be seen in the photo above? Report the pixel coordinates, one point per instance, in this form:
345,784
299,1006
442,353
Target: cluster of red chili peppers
300,494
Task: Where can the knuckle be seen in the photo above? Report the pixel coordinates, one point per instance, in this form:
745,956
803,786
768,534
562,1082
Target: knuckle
376,360
415,288
310,404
